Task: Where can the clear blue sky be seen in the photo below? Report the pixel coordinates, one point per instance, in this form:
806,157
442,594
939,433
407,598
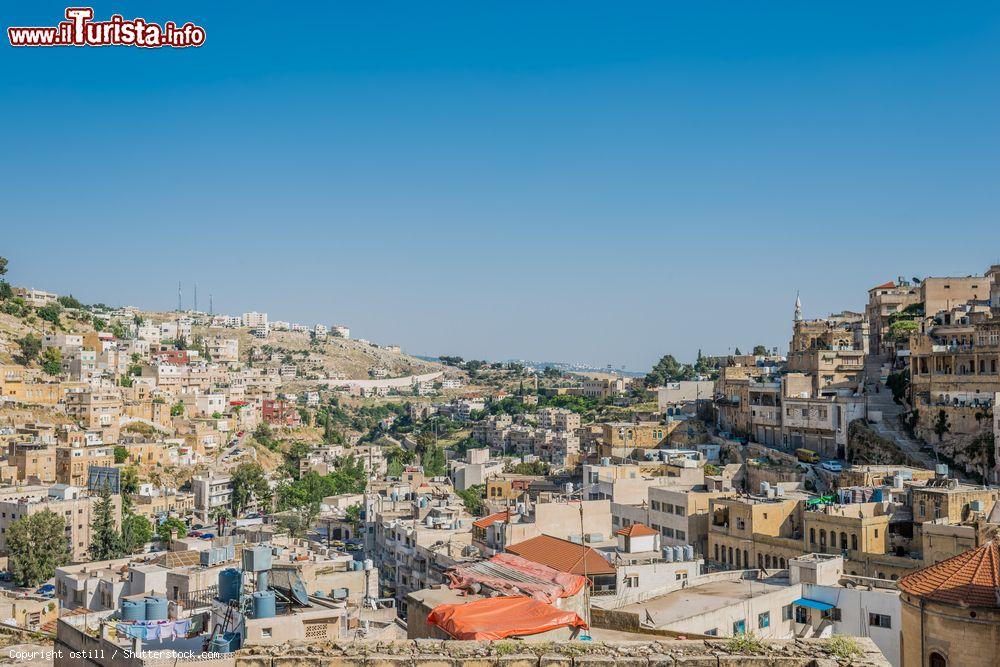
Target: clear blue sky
545,180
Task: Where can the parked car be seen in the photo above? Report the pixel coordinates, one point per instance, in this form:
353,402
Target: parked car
831,466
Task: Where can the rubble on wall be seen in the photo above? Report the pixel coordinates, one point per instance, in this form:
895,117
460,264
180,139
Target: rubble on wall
789,653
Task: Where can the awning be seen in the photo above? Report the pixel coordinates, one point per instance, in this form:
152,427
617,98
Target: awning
813,604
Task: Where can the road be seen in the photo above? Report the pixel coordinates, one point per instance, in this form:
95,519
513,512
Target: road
890,427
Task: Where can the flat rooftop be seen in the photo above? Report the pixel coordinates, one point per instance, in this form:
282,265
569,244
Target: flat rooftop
702,599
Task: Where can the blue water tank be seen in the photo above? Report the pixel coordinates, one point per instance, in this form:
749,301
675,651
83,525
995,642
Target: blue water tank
263,604
133,610
156,608
230,582
225,643
688,552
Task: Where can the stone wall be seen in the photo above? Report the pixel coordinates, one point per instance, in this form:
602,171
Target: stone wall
661,653
865,446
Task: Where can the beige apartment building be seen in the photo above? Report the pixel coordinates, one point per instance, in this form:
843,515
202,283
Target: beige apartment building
34,463
73,462
883,301
96,409
623,440
755,531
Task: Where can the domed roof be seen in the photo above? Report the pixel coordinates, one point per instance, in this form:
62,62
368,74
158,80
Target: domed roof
970,579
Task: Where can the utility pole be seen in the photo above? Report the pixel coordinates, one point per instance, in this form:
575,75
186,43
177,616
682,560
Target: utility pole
196,297
211,308
179,302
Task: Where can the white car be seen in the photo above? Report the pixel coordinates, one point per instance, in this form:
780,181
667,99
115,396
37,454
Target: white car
831,466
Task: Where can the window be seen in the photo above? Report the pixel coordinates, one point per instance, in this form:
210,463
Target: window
655,505
681,575
668,508
265,632
681,535
668,532
740,524
716,552
880,620
678,510
740,627
801,615
632,581
714,632
764,620
786,612
938,660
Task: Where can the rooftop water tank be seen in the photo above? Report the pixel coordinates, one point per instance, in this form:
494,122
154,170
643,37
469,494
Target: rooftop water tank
668,554
368,563
688,552
263,604
605,461
678,554
230,582
156,608
765,488
133,610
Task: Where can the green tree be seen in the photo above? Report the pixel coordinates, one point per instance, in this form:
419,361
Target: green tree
668,369
759,351
52,361
898,384
294,456
3,266
472,497
36,546
50,313
353,515
981,454
177,409
105,540
129,485
136,532
69,302
30,347
941,425
121,454
249,485
434,462
172,523
6,291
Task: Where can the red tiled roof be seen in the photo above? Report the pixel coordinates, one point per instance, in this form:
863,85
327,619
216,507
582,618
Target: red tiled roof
636,530
487,521
888,285
969,579
562,555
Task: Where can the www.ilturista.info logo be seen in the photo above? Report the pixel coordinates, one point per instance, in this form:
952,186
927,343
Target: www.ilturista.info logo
81,30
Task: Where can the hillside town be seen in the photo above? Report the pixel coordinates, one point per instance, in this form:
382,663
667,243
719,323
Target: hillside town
225,485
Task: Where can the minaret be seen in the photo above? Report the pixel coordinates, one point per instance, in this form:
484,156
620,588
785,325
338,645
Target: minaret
798,308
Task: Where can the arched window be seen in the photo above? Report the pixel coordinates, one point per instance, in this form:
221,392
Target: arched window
781,564
760,561
938,660
767,561
730,555
854,541
746,559
812,536
843,540
737,559
716,553
822,538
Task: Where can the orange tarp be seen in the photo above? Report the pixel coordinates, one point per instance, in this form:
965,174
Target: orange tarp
501,617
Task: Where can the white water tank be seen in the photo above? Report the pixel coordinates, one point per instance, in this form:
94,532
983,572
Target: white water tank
765,488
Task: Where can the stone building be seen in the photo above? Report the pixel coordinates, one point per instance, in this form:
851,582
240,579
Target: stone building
951,611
